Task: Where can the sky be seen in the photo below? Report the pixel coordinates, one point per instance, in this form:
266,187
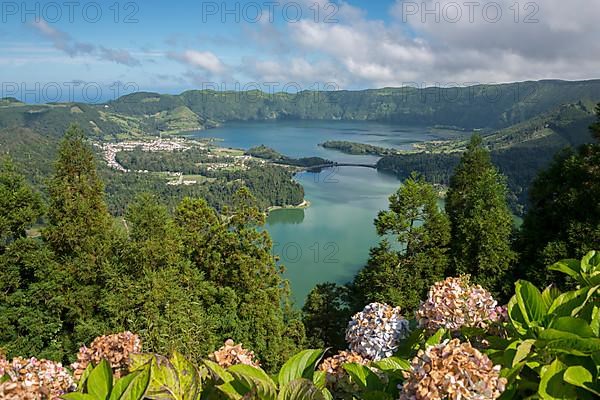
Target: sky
98,50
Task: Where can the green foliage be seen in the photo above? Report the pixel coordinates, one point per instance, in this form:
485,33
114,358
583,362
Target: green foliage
296,380
595,127
185,282
325,315
98,384
422,232
564,218
554,337
481,221
20,206
174,378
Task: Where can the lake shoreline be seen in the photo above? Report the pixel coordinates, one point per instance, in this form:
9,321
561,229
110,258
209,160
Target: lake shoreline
305,204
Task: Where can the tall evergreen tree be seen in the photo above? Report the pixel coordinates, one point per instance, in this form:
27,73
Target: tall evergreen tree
20,206
400,274
481,221
595,127
29,320
80,232
325,315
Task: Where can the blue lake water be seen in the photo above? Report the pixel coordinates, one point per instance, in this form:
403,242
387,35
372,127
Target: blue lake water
330,240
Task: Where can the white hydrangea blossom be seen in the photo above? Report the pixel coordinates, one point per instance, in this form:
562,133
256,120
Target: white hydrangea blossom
376,331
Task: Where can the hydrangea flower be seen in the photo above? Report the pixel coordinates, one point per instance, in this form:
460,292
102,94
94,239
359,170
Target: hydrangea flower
455,303
455,371
336,378
334,366
113,348
375,332
34,379
232,354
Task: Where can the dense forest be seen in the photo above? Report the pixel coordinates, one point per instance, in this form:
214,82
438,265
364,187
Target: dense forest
187,278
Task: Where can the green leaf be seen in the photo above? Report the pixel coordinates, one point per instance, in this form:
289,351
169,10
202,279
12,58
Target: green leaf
573,325
138,387
516,316
436,338
564,304
392,364
570,267
530,302
301,365
582,377
121,385
255,380
595,324
376,395
588,296
189,379
523,350
164,381
138,361
552,385
300,389
84,377
320,379
99,382
568,343
364,377
408,346
77,396
549,295
218,371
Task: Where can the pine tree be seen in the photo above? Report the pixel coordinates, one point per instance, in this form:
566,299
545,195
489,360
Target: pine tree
29,321
78,218
400,274
20,206
595,127
481,221
80,233
325,315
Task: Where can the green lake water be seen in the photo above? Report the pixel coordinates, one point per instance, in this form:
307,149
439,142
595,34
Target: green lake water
330,240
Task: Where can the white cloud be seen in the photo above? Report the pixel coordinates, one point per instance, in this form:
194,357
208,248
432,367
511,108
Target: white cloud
64,42
204,60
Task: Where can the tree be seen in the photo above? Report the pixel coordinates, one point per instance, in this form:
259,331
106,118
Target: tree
401,274
563,220
81,235
325,315
595,127
481,221
29,321
78,218
20,206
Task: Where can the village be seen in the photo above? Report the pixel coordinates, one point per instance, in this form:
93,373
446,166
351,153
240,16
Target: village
239,161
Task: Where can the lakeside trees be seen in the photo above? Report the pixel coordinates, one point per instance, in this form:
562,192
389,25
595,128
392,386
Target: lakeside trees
185,282
400,273
481,221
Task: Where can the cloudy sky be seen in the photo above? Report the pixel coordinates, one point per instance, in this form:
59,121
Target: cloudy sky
273,45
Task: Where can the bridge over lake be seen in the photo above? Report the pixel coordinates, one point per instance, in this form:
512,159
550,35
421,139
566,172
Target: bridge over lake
342,164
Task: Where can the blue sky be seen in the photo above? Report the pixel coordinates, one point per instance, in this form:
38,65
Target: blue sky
56,49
